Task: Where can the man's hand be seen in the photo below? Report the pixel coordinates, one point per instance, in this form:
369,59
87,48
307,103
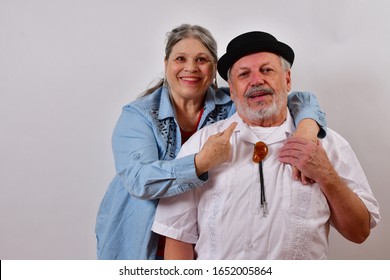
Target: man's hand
310,158
215,151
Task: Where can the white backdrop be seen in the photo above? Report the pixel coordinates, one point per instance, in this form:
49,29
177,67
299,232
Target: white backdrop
67,67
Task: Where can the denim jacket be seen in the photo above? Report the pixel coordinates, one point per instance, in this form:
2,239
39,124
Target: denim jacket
145,142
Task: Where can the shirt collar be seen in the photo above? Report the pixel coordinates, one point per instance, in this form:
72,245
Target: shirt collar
246,134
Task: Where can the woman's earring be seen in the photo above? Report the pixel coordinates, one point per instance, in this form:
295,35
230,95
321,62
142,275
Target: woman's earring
215,84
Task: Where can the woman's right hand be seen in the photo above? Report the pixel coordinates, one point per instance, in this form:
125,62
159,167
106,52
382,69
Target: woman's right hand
215,151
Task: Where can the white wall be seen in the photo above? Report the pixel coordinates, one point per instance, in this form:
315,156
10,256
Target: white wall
67,67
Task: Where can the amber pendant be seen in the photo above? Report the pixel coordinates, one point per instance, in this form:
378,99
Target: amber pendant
260,152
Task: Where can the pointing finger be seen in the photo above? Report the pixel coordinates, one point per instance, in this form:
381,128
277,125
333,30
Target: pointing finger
229,131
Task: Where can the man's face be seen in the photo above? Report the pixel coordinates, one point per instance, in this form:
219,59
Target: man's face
259,87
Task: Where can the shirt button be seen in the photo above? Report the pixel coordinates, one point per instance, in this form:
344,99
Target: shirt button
249,246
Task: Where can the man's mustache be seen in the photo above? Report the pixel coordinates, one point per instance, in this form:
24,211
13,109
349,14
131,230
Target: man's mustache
255,89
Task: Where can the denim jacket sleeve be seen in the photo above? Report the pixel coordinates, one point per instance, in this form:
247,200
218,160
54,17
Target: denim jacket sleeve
138,153
304,105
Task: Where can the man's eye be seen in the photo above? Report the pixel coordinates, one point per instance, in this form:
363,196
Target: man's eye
266,70
243,74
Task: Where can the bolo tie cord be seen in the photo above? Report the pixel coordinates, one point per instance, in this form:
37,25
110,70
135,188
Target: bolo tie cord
263,201
260,151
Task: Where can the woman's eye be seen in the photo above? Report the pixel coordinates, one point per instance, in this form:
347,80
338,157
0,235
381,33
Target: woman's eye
180,58
202,60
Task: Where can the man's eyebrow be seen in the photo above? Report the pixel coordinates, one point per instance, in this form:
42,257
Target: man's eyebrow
248,68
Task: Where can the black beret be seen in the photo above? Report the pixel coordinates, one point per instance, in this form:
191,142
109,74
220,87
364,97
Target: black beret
249,43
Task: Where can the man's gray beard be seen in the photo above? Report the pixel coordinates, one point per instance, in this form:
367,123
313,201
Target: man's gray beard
261,114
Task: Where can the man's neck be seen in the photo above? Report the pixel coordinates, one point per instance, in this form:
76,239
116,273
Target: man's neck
275,120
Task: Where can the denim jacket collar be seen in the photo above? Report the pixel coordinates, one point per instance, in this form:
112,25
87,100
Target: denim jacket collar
166,109
212,99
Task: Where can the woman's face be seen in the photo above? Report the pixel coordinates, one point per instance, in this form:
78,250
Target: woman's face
190,69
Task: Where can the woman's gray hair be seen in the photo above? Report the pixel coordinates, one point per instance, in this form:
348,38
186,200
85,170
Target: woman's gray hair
185,31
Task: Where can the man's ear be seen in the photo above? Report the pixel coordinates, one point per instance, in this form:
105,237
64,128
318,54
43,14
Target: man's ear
231,88
288,80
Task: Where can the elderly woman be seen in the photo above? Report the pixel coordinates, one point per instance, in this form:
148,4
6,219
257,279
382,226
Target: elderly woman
150,132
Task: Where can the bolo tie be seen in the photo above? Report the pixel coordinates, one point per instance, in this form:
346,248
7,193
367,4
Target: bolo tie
259,153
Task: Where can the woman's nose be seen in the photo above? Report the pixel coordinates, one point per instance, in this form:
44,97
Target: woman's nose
191,66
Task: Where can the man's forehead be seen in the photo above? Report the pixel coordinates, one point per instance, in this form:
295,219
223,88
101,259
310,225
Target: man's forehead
262,58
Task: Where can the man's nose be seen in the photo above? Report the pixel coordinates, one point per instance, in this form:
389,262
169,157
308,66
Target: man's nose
257,78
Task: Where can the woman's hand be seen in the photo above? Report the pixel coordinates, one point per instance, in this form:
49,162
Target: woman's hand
215,151
307,129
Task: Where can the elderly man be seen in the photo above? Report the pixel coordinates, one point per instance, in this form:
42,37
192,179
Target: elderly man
251,208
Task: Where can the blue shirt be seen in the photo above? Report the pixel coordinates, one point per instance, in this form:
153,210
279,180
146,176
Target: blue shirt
145,142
